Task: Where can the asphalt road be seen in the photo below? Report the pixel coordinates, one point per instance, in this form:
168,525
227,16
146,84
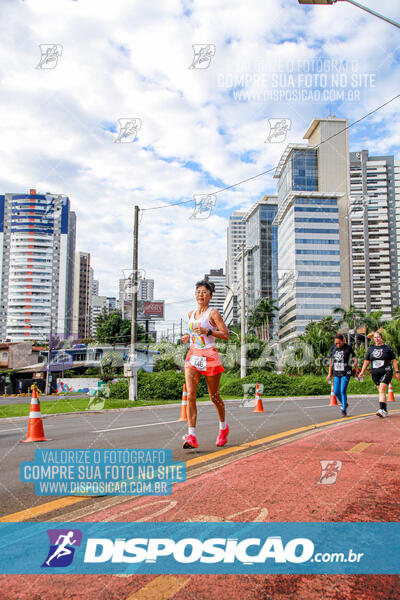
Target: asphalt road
151,427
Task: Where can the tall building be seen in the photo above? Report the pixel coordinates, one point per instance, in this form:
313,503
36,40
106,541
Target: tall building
98,306
82,295
37,246
313,233
261,261
94,283
397,222
217,277
374,233
111,304
145,291
236,237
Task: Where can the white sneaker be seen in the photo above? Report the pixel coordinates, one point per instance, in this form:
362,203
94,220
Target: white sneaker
382,413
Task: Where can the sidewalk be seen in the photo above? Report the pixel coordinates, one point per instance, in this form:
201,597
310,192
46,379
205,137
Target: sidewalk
283,483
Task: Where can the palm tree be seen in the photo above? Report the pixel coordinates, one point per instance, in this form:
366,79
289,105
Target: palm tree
396,313
373,321
392,335
352,317
261,316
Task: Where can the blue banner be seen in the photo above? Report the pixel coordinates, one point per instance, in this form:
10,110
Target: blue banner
179,548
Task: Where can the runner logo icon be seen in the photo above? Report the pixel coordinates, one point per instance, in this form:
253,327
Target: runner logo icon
61,551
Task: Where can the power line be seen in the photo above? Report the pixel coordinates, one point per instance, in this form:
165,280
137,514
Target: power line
274,168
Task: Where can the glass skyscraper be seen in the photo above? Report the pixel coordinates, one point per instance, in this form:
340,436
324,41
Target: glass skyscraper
313,250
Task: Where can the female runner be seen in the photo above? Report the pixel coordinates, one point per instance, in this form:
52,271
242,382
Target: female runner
382,357
205,324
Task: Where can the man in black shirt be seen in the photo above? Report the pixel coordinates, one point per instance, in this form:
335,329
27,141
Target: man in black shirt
340,367
381,358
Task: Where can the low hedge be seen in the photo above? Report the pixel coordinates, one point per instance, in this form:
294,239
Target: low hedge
167,385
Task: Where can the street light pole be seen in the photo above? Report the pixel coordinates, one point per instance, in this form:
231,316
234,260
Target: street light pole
133,361
369,10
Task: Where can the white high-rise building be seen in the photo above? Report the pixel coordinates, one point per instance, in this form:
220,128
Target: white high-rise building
98,306
236,237
217,277
314,258
375,236
145,291
37,248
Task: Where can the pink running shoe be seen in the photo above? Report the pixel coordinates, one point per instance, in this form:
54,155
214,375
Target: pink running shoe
223,436
190,441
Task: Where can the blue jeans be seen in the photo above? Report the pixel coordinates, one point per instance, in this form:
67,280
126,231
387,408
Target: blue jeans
340,389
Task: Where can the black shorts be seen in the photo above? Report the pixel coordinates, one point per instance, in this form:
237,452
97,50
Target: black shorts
382,377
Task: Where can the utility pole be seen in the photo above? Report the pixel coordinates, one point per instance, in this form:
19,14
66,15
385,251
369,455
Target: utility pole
173,332
181,328
133,361
242,323
46,388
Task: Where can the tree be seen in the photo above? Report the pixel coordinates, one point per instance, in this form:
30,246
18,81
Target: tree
396,313
111,328
261,317
372,322
352,317
391,335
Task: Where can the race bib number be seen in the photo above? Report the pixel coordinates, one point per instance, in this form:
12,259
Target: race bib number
378,364
199,362
339,366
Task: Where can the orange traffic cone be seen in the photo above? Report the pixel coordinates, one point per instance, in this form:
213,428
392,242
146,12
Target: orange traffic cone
333,400
391,397
183,416
35,424
259,405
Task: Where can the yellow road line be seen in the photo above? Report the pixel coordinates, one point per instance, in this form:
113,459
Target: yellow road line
358,448
160,588
24,515
35,511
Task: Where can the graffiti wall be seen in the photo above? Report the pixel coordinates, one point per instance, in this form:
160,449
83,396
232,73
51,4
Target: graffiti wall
79,385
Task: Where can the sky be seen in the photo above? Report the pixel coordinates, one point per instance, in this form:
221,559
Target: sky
125,103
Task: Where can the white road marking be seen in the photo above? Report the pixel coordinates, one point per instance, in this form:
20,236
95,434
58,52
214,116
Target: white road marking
4,430
133,426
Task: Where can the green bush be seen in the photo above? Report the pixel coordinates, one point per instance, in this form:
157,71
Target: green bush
165,385
278,385
92,372
165,364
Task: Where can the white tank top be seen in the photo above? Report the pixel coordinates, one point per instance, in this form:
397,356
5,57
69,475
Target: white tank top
201,341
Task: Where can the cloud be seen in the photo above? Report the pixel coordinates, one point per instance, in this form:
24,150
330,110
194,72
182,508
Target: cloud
132,61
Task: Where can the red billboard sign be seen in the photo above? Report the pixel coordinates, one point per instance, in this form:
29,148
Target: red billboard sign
147,310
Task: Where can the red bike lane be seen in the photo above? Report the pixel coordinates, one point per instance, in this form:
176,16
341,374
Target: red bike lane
349,472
